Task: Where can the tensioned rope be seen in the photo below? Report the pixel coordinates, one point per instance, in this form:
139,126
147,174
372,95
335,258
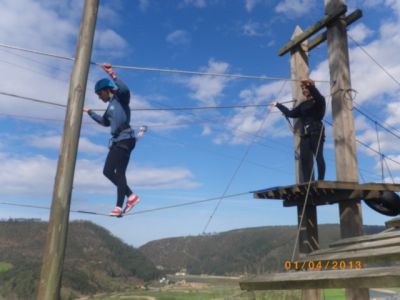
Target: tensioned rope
373,59
307,195
239,166
150,125
165,70
143,109
385,127
370,148
133,213
379,149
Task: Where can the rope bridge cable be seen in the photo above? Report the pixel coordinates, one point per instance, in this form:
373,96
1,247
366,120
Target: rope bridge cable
370,148
238,166
386,127
164,125
134,213
389,171
32,99
164,70
374,60
154,126
142,109
379,149
233,176
307,195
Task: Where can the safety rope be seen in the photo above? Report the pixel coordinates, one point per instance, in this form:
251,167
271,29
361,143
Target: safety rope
133,213
165,70
379,149
239,166
143,108
307,194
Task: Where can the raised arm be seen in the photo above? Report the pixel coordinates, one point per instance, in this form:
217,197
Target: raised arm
122,93
320,102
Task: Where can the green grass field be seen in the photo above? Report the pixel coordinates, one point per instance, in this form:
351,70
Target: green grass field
214,292
4,267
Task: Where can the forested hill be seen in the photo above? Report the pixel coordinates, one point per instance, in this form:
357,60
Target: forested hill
95,260
251,250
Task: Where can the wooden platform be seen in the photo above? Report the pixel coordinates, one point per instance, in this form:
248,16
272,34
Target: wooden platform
378,247
343,265
384,277
325,192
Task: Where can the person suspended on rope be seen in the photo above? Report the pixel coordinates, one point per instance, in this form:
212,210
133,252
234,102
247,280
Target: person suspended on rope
310,112
117,116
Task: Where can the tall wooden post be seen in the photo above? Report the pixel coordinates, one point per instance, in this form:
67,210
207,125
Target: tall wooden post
308,238
53,258
343,128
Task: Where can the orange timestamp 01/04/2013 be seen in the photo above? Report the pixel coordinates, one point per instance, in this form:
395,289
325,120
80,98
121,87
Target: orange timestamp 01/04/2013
320,265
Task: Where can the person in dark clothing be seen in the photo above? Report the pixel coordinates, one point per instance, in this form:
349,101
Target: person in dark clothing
117,116
310,112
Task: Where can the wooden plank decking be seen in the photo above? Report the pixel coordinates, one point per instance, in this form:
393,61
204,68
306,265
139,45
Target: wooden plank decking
325,192
383,277
338,266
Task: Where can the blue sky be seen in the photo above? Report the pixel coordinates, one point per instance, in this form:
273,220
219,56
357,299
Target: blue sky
186,155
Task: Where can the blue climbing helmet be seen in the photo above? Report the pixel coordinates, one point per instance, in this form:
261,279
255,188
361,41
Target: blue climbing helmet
102,84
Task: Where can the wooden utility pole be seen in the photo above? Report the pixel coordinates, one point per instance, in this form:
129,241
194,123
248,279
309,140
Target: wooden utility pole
308,236
53,258
343,129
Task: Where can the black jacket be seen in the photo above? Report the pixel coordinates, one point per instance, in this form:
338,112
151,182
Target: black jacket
310,111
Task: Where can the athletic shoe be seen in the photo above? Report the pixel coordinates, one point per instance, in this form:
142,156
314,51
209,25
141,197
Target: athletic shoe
116,212
132,201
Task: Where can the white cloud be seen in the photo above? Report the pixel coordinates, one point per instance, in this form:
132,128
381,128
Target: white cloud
360,32
247,122
44,26
25,23
144,5
393,110
295,8
207,89
252,29
155,119
34,176
196,3
178,37
109,42
54,142
250,4
392,162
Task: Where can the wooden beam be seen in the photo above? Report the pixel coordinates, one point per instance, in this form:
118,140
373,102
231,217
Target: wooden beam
366,238
361,278
54,252
350,19
386,254
313,29
351,223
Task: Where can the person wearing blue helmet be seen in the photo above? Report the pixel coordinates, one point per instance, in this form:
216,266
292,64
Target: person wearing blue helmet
117,116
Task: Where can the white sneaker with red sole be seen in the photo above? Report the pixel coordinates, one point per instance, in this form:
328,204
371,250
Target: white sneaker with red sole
132,201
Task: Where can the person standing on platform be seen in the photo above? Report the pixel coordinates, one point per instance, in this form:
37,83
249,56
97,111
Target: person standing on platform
312,136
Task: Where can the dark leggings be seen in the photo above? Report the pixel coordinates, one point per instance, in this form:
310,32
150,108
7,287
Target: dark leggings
115,167
308,149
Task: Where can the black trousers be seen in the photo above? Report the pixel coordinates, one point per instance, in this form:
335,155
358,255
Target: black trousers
308,150
115,167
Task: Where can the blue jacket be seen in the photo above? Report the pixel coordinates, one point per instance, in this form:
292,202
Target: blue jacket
117,114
